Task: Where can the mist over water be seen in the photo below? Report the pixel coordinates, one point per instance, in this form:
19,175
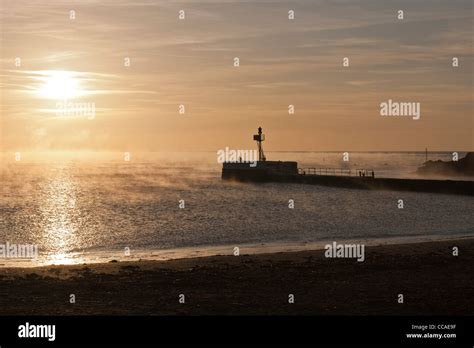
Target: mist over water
100,205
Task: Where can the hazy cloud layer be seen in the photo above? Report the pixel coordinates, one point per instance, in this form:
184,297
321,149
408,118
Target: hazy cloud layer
282,62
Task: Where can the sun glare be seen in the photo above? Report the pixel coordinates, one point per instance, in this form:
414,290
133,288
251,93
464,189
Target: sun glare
60,85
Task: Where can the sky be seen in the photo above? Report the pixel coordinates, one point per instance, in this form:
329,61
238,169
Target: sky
54,62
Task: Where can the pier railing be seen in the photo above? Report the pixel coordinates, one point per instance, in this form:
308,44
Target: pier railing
337,172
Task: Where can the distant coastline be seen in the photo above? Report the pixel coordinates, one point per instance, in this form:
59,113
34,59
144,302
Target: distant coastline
463,167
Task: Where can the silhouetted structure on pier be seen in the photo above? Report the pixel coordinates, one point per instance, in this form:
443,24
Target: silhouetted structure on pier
260,170
288,172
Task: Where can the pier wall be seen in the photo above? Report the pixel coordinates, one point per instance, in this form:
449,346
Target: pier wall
368,183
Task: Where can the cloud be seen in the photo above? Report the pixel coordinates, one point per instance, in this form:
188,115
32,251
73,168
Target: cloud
282,62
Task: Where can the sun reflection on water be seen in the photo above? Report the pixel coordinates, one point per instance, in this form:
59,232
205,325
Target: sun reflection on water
59,209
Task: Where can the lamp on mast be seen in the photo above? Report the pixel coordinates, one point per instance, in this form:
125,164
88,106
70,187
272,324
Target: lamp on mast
259,138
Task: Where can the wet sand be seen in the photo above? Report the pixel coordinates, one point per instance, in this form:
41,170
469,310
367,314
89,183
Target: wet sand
432,280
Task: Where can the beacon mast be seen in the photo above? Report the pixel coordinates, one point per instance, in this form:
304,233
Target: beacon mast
259,138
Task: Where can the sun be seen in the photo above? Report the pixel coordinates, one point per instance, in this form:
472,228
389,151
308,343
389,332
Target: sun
60,85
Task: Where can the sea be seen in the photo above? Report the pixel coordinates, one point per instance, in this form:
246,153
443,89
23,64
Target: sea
98,207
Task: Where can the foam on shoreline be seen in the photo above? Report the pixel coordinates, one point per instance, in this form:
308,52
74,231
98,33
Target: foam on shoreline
94,257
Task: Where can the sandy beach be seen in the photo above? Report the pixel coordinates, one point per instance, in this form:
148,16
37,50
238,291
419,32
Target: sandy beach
432,280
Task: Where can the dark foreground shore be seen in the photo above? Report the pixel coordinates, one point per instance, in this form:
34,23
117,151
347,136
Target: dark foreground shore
432,280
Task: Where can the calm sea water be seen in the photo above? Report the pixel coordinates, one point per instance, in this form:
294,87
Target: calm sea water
90,209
